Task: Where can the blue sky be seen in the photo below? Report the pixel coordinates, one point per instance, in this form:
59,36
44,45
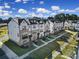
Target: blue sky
39,8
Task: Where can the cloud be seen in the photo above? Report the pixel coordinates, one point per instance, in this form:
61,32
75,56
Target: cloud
41,2
18,0
5,13
14,8
53,14
62,10
32,14
24,1
0,11
66,10
55,8
42,10
6,5
17,15
1,7
22,11
77,9
33,8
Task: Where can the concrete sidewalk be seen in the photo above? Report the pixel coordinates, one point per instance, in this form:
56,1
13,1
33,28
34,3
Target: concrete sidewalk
9,53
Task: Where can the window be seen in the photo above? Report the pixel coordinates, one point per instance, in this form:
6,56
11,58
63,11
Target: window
24,28
18,34
24,37
34,26
41,26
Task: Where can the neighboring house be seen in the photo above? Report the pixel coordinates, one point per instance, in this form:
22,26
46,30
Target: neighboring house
34,29
67,24
75,25
41,28
46,28
58,26
51,27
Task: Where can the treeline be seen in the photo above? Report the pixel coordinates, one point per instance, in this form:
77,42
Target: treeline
58,17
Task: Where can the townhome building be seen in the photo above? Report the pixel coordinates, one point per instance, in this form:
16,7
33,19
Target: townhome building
51,28
68,25
34,29
41,28
75,25
46,28
58,26
55,26
25,31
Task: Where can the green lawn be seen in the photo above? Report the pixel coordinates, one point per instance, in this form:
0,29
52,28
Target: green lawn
58,33
44,51
18,50
45,39
51,36
39,43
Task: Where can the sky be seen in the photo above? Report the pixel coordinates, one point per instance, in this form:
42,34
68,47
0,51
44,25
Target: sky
39,8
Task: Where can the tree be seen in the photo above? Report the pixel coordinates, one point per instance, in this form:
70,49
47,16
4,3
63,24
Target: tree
0,20
71,17
74,17
60,17
10,18
51,18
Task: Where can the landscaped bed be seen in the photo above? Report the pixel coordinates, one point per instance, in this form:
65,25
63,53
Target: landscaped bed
60,57
68,51
17,49
3,31
60,42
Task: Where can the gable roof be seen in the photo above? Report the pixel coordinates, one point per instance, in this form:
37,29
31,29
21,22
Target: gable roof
18,20
34,20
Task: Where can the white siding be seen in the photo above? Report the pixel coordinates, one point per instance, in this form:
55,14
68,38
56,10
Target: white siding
51,27
14,31
24,32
